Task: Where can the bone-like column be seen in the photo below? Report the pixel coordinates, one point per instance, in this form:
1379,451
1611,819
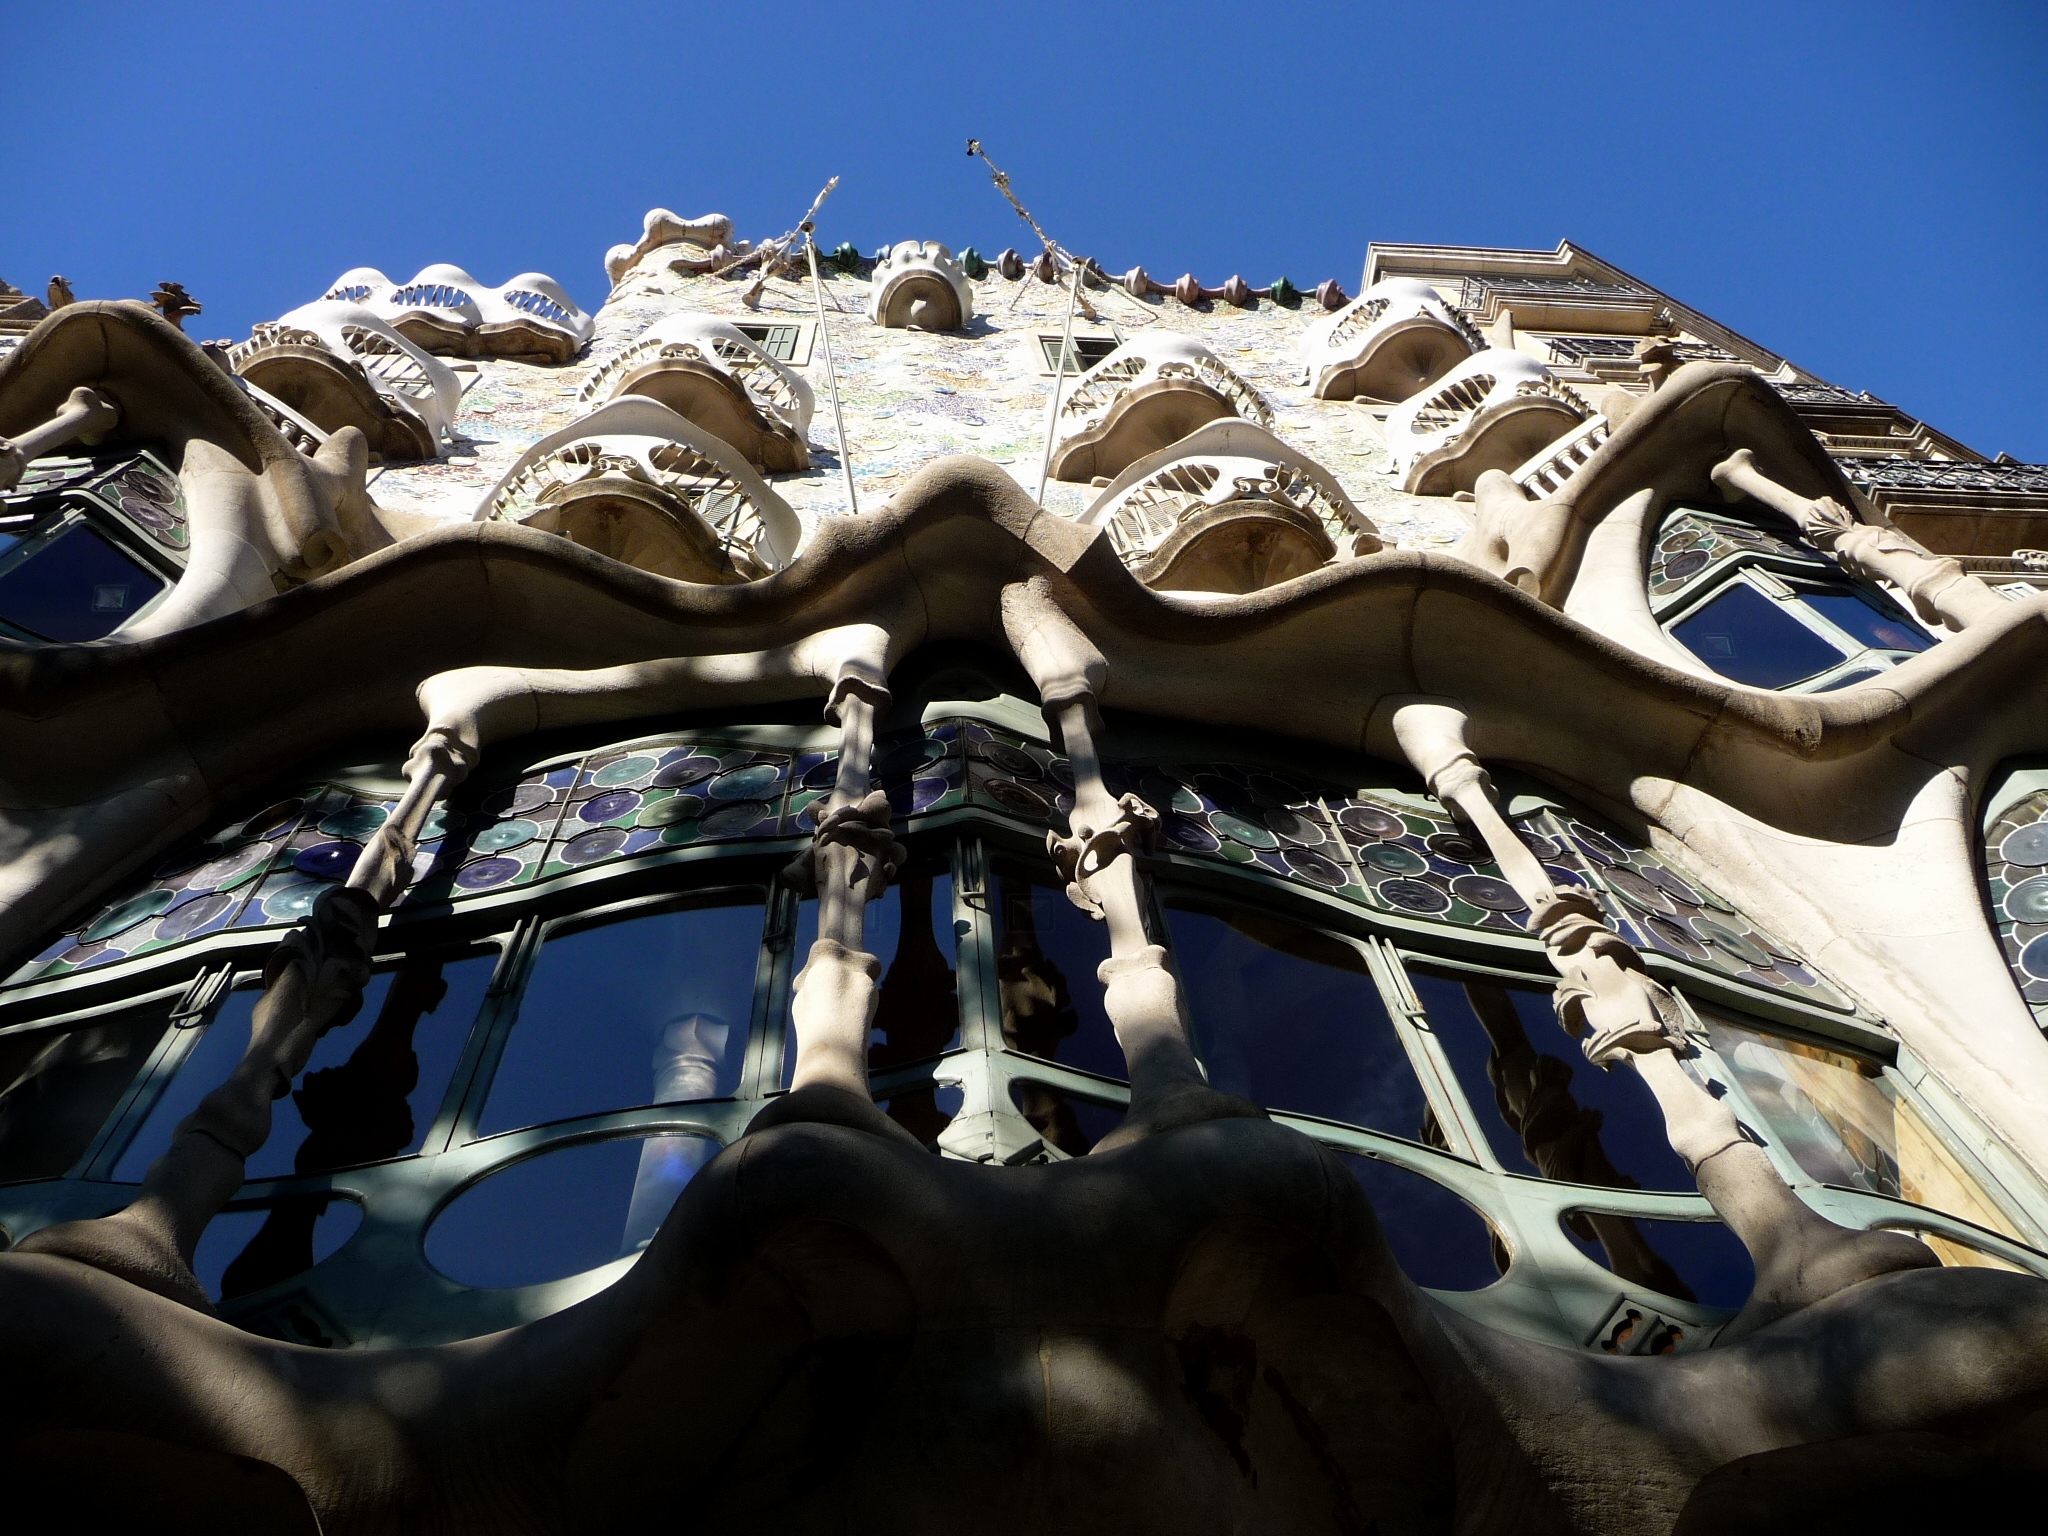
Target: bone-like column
852,857
1140,993
315,978
1940,590
1619,1012
86,416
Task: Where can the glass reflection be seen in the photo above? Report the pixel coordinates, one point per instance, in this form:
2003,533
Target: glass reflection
370,1090
1438,1240
1857,615
330,1221
645,1010
1291,1019
1843,1124
1693,1260
1748,638
1047,951
1546,1109
57,1088
565,1211
77,587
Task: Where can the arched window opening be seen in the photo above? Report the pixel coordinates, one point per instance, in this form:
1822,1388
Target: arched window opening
1761,607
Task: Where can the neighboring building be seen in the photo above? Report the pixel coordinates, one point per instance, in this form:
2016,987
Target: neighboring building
1503,753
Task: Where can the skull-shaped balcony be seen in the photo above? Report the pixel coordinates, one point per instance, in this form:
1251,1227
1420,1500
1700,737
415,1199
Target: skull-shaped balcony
446,311
638,483
1230,508
1394,339
1496,410
920,285
709,372
335,364
1146,395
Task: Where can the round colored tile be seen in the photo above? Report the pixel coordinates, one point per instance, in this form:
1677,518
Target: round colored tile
183,922
502,835
1250,833
1370,821
355,821
125,915
609,807
1413,896
1458,848
1395,859
2026,845
731,820
666,813
483,874
626,770
1014,797
589,847
749,783
1314,867
685,771
329,861
2027,902
1189,836
1488,893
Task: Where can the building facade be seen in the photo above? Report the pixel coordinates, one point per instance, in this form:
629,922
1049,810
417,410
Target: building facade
908,891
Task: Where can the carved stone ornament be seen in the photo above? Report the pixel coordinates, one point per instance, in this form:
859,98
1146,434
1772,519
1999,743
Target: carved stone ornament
635,481
1494,410
1146,395
706,236
1228,508
336,365
1088,851
1394,339
710,372
919,284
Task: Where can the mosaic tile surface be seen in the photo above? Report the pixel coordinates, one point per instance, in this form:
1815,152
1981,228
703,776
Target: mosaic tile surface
909,396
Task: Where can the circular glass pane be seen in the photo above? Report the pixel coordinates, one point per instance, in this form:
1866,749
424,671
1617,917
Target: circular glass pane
565,1211
2026,845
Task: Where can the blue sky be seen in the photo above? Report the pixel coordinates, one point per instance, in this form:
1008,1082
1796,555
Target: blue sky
1863,187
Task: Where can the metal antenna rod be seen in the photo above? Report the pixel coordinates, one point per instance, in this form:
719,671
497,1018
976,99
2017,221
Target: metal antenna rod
831,373
1059,378
780,246
1059,253
1079,268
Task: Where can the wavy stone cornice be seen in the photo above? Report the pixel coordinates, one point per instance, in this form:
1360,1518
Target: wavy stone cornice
244,696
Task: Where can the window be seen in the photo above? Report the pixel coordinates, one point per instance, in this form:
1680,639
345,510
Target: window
1545,1109
785,343
57,1087
650,1009
1047,952
1083,352
1760,606
1845,1123
1772,633
1291,1019
371,1089
72,584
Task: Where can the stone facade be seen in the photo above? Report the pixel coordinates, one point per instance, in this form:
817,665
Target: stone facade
785,904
